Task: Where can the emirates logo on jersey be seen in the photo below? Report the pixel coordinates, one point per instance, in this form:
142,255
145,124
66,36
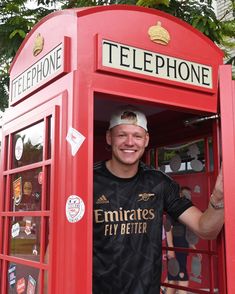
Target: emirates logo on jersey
124,222
145,196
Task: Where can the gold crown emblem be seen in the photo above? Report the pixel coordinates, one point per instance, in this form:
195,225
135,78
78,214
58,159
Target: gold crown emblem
158,34
38,44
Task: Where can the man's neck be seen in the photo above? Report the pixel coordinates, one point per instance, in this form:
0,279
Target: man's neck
122,170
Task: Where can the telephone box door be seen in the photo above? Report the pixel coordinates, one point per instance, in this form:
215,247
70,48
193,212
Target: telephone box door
28,186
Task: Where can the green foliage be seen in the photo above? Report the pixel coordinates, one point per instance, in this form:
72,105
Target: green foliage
152,3
4,82
201,16
17,19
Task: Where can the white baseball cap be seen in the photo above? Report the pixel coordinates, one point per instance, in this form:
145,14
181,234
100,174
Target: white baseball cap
128,115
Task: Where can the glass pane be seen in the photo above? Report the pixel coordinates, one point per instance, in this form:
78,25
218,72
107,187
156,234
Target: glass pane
28,145
6,153
177,235
48,185
46,235
25,237
26,190
50,128
22,279
211,155
184,158
190,270
45,286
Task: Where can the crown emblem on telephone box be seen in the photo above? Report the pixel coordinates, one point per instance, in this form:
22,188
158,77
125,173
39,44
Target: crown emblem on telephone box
158,34
38,44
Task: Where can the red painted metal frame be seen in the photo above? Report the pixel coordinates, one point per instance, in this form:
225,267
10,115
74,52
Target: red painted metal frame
54,109
18,124
227,106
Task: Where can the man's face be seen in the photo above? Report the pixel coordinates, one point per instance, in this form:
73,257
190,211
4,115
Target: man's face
128,143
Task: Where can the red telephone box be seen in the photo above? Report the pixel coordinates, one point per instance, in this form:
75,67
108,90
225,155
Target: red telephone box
71,71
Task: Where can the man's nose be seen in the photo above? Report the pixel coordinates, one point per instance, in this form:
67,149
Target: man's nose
129,140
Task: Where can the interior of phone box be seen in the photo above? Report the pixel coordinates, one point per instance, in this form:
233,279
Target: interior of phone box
167,125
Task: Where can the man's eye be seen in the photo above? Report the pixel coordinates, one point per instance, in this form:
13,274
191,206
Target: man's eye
138,136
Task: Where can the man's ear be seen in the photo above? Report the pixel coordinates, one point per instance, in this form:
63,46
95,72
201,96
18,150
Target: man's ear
108,137
147,139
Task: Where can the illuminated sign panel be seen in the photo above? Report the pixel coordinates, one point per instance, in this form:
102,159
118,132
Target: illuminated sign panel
148,63
48,67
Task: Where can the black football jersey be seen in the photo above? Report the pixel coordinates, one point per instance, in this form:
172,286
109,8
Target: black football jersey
127,229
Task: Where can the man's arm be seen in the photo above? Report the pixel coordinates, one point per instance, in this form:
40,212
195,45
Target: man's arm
207,225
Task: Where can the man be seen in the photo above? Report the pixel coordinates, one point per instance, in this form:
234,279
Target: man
129,200
177,237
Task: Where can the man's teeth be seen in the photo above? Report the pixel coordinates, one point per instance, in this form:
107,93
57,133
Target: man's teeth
129,151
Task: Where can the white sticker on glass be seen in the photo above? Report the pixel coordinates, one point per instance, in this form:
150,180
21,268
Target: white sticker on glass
75,140
15,230
75,208
19,148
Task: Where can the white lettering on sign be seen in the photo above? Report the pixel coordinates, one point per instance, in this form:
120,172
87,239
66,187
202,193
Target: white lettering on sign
43,69
135,60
